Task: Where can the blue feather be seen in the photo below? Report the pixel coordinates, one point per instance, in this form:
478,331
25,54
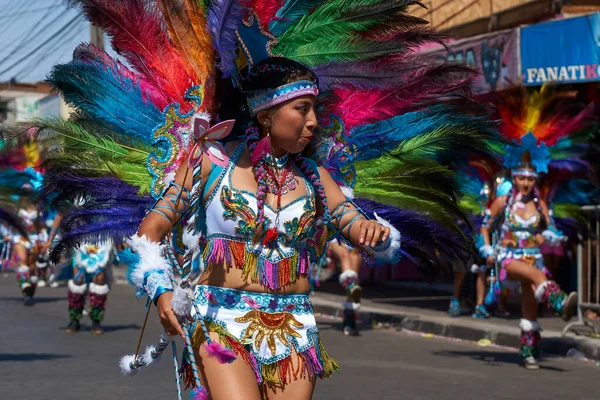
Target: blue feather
374,140
107,97
291,12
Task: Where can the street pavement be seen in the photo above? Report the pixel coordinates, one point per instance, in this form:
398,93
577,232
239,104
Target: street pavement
39,361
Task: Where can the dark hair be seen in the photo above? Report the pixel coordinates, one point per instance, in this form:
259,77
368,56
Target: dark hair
268,74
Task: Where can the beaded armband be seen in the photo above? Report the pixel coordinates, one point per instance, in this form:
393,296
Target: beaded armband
489,220
168,201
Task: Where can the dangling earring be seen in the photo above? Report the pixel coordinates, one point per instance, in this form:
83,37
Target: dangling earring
262,149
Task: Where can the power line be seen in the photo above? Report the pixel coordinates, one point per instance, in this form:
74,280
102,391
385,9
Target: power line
66,38
31,31
51,38
17,6
33,10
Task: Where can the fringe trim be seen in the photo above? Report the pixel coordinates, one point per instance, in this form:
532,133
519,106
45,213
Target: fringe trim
312,362
255,268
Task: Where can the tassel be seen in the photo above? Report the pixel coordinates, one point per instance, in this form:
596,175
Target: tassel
186,373
262,149
222,354
199,393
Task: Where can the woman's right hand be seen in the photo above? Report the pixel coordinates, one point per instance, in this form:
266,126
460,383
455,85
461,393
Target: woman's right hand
168,319
490,260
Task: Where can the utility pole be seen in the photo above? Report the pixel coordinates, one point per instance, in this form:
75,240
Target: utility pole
97,36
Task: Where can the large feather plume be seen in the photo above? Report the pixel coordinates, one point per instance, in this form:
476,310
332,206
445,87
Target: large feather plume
105,96
223,19
187,27
550,113
137,33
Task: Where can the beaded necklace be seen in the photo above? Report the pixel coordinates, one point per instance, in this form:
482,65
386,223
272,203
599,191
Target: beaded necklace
279,183
280,177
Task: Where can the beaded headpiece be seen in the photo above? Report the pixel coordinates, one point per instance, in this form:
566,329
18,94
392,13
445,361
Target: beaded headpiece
259,100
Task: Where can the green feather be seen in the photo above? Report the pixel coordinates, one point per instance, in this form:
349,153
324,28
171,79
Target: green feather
94,154
420,185
335,31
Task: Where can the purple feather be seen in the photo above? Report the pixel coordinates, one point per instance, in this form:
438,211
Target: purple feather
420,235
223,19
95,233
573,166
572,227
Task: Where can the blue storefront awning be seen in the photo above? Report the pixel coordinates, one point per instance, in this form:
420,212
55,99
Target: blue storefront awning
566,51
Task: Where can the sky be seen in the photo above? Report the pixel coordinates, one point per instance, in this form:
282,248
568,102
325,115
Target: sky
24,27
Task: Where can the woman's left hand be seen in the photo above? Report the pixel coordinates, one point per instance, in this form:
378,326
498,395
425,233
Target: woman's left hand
372,232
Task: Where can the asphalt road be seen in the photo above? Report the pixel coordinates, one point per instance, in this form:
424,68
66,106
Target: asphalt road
39,361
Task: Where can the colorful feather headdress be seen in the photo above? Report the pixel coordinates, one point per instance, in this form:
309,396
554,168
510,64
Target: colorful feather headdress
380,130
556,133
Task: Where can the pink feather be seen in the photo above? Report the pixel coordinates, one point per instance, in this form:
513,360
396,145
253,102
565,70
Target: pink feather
223,355
138,35
266,10
89,52
359,107
263,148
199,394
562,125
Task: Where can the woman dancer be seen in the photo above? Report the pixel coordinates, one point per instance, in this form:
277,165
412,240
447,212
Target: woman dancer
521,223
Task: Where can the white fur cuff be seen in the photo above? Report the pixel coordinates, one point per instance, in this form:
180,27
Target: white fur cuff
75,288
99,289
151,259
182,301
348,274
23,269
540,290
390,252
529,326
486,251
41,265
348,192
554,238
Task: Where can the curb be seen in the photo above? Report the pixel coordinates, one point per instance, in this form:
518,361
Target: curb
552,341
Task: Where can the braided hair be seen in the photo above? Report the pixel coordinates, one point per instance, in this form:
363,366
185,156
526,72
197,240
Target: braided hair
268,74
